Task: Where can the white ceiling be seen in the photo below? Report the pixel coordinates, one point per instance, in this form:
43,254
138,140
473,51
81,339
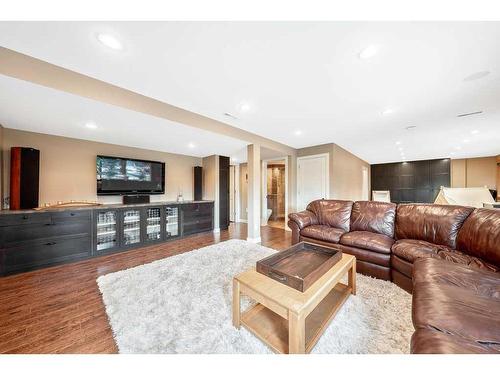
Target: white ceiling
30,107
303,76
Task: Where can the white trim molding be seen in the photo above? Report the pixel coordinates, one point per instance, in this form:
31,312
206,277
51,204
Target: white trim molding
254,240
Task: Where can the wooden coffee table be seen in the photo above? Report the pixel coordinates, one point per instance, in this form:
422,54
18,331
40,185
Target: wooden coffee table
287,320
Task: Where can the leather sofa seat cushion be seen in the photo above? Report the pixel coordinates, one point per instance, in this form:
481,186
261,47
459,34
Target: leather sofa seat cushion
456,311
480,235
323,233
334,213
481,282
371,216
411,250
367,240
431,341
434,223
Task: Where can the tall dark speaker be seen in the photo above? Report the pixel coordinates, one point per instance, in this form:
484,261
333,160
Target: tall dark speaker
224,192
24,176
198,183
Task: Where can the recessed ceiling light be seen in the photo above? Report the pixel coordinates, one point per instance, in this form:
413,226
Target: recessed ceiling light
110,41
477,75
245,107
398,142
368,52
388,111
297,132
474,132
91,125
191,145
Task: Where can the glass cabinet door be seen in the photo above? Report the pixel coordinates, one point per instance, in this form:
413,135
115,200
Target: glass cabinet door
106,230
131,227
153,224
172,222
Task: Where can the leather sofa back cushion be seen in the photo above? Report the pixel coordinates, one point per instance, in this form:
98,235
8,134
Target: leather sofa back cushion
375,217
438,224
335,213
480,235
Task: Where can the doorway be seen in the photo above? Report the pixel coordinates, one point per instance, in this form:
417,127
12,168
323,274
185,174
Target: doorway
275,192
313,179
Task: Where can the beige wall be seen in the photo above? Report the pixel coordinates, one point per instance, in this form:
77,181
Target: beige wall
348,175
243,191
474,172
68,166
1,168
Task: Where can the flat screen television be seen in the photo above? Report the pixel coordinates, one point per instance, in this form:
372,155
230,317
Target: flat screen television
120,176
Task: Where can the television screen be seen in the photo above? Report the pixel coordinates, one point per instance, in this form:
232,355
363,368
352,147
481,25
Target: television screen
117,176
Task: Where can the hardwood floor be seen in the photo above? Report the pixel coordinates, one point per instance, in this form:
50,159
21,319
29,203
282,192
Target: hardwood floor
60,310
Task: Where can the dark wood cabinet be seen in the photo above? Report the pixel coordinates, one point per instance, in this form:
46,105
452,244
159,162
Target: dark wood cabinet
40,239
29,241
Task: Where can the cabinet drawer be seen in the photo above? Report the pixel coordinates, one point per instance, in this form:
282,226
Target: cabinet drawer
195,226
197,208
24,219
44,253
68,216
20,233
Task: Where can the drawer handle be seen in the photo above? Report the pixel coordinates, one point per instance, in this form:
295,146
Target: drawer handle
276,276
25,217
50,224
72,214
50,243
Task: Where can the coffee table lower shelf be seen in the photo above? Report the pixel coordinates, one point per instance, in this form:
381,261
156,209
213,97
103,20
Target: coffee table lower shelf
273,329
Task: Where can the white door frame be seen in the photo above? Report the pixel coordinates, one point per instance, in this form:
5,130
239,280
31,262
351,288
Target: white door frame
264,189
326,156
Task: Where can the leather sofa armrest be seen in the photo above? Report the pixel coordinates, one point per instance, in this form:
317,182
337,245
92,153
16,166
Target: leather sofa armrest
303,219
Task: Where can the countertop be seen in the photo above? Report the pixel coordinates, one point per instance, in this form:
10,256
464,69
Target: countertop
100,207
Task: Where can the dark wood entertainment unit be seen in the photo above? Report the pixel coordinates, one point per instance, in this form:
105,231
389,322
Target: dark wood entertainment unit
32,239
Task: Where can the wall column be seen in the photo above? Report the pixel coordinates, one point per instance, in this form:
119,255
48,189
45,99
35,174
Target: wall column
254,187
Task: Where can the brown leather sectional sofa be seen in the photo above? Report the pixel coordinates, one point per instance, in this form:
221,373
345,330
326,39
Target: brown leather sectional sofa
442,253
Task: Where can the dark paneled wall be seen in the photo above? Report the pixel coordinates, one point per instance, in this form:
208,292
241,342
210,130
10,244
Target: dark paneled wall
413,181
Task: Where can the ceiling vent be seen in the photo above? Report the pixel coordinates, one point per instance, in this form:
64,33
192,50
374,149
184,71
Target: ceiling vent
470,114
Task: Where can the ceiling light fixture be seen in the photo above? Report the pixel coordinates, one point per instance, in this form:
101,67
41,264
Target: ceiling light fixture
368,52
90,125
474,132
388,111
110,41
191,145
470,114
477,75
298,132
398,142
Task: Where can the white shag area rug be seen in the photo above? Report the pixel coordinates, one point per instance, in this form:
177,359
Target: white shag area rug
182,304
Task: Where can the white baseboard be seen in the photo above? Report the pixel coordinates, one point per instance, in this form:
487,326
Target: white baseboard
254,240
